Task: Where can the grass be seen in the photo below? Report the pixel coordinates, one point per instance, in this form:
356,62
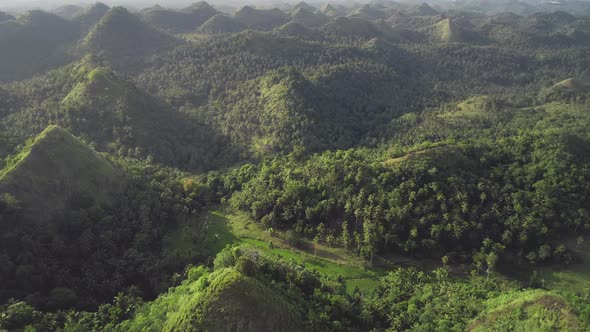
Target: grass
57,157
233,300
573,278
412,153
531,310
237,228
472,108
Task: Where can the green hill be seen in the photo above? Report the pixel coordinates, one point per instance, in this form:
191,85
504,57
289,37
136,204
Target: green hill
249,290
566,89
307,18
201,10
277,117
114,105
352,27
379,44
91,15
54,168
285,109
261,19
533,310
330,10
120,34
448,31
398,17
360,28
298,30
303,5
35,42
505,18
67,11
234,301
558,18
422,9
170,20
370,13
186,20
220,24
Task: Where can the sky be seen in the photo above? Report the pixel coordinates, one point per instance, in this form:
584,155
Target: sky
50,4
20,5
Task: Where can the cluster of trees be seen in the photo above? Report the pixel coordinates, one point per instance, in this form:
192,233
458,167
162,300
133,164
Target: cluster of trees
406,299
109,112
512,191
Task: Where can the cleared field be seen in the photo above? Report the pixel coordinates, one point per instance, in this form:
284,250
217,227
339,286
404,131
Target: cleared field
236,228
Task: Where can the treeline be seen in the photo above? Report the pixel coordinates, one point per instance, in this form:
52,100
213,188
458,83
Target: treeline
407,299
514,192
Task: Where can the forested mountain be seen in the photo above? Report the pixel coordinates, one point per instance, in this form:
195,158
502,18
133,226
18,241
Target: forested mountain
120,36
91,15
61,207
362,167
42,177
221,24
68,11
186,20
34,42
308,18
260,19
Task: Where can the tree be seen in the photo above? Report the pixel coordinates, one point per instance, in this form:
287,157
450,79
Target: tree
491,260
292,238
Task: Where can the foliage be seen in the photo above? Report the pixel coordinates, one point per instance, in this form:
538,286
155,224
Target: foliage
381,130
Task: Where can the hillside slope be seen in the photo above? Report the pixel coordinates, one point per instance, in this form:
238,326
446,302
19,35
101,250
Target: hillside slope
234,301
33,43
176,21
120,34
55,168
261,19
532,310
91,15
221,24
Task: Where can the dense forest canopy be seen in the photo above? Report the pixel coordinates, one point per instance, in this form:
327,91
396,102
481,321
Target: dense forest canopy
304,167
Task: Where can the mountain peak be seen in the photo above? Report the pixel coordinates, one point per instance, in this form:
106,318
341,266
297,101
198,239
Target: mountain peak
121,33
201,5
260,18
67,11
330,10
91,15
308,18
54,168
423,9
253,304
303,5
220,24
184,21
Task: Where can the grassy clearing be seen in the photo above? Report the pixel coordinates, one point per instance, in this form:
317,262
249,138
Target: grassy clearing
573,278
238,228
531,310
